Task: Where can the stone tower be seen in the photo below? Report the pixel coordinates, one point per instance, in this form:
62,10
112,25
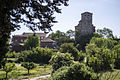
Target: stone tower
85,26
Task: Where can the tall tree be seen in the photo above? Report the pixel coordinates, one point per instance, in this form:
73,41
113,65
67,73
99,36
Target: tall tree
32,41
70,33
61,37
105,32
35,14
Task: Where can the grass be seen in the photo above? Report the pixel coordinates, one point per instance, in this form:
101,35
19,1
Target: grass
21,72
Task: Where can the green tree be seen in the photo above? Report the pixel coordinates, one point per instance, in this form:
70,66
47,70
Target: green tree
69,48
28,66
99,58
8,67
61,37
37,55
70,33
60,60
101,42
105,32
35,14
32,41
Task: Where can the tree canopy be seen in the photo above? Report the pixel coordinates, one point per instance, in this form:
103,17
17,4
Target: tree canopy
35,14
61,37
32,41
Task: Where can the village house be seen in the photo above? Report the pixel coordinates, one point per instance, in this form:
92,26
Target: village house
17,42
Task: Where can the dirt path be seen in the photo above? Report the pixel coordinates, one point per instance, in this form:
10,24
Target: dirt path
40,77
35,78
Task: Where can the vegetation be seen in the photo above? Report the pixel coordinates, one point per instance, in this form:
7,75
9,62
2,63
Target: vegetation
22,73
69,48
8,67
28,66
32,41
61,37
12,12
78,71
36,55
60,60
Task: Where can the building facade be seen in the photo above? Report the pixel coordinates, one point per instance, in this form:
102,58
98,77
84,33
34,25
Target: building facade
18,41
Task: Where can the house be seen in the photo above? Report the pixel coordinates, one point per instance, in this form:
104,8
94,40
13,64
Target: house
18,41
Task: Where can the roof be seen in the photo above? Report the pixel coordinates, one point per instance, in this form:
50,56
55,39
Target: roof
47,40
26,35
39,34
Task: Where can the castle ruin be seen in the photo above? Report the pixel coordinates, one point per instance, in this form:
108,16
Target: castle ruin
85,25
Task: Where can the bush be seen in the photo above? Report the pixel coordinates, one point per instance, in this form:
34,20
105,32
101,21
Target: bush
12,55
69,48
78,71
37,55
60,60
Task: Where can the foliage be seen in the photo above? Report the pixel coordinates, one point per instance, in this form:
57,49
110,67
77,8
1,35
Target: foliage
92,49
37,55
105,32
78,71
61,37
97,35
70,33
81,56
106,43
12,55
32,41
69,48
117,55
82,40
28,65
8,68
35,14
60,60
101,60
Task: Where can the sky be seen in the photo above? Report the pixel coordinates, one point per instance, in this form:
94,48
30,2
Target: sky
106,13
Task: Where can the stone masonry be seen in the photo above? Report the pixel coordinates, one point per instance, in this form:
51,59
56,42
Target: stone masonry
85,26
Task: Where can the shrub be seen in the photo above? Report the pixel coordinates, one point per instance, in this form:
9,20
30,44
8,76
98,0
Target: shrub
12,55
69,48
60,60
78,71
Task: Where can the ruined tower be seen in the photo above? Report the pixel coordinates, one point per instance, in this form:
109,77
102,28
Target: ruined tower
85,25
84,30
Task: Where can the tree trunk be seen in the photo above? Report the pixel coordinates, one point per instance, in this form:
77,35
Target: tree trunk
28,72
6,75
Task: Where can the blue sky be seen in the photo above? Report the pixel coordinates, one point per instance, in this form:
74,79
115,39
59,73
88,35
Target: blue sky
106,13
